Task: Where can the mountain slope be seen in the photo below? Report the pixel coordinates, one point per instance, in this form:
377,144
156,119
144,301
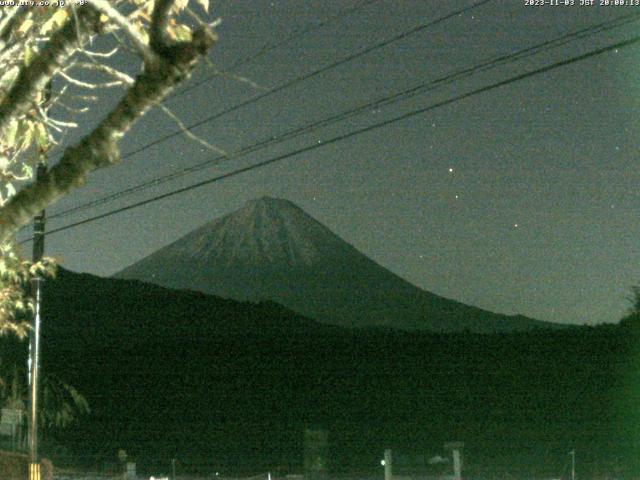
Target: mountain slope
272,250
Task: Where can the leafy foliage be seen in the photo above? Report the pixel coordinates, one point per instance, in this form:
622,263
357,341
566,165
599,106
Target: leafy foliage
62,404
15,275
30,130
50,47
632,318
50,76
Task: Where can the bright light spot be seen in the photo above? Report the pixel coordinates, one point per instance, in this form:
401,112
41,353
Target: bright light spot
450,169
456,197
382,462
515,225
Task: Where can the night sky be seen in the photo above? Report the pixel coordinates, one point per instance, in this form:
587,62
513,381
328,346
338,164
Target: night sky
522,199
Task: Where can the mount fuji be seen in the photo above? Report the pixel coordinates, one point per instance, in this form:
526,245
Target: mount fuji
272,250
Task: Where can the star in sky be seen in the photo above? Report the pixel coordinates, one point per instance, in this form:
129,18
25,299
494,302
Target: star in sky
529,150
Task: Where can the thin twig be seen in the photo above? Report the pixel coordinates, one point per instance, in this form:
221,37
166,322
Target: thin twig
87,85
100,54
189,133
121,21
106,69
72,109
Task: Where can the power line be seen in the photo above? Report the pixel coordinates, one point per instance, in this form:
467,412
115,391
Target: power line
353,133
307,76
388,100
268,48
310,75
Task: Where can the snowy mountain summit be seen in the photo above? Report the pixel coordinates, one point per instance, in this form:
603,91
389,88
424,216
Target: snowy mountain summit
271,249
267,230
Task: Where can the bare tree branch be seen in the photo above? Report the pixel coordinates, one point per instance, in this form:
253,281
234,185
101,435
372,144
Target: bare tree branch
15,16
46,64
100,148
159,21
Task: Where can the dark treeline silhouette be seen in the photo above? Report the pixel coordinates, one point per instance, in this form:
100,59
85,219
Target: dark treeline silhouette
232,386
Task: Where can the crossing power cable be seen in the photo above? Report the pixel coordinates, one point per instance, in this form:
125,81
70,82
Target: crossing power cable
269,48
353,133
307,76
381,102
310,75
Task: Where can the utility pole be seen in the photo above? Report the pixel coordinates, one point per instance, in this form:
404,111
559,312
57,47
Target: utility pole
388,465
573,464
34,338
34,334
456,448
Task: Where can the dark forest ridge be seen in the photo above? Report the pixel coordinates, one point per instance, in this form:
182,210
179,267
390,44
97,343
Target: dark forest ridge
175,372
272,250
